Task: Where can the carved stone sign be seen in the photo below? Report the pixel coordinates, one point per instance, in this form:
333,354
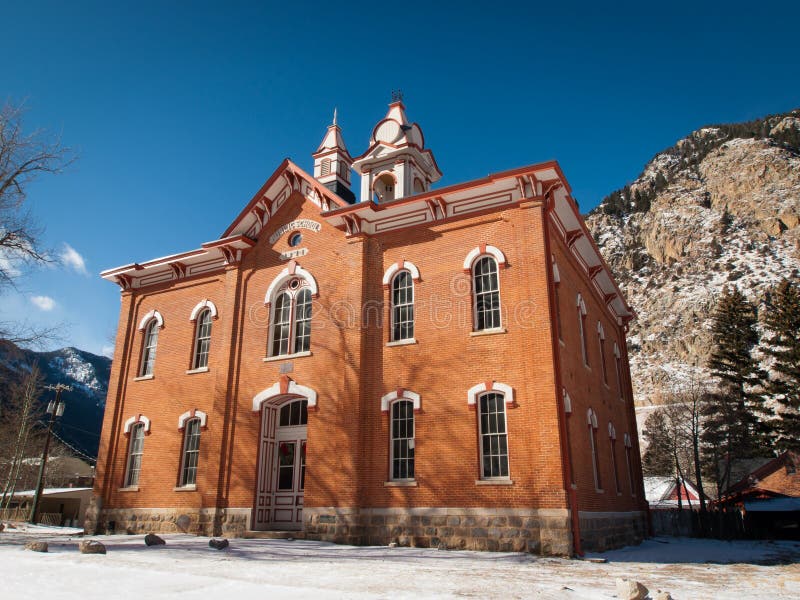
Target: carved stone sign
289,254
293,225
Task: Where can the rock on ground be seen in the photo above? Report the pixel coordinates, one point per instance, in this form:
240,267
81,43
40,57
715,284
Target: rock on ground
151,539
628,589
36,546
92,547
218,543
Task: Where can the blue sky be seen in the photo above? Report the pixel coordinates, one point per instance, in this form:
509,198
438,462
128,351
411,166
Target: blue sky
179,111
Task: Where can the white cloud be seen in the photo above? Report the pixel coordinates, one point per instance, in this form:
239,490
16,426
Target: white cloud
70,258
45,303
108,351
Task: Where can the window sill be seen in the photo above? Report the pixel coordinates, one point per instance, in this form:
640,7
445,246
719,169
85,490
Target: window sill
185,488
401,343
494,482
144,377
130,488
200,370
561,342
286,356
599,491
488,332
409,483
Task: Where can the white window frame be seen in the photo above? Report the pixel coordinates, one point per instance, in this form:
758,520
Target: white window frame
581,311
601,340
592,422
410,440
627,442
202,340
475,293
292,322
482,437
395,307
149,348
188,426
612,438
618,368
137,431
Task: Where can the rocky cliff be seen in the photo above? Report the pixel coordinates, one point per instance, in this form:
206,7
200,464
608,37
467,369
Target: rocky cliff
721,207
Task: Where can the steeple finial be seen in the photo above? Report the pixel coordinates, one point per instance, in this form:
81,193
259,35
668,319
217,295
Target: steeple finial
334,115
397,95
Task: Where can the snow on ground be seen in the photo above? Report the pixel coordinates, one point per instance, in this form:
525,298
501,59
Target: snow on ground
186,566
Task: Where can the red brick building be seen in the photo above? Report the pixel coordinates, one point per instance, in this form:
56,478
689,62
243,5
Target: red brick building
429,366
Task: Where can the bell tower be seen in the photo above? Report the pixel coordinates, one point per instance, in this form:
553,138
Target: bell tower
396,164
333,163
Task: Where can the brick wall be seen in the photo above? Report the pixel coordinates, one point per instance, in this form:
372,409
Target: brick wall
351,367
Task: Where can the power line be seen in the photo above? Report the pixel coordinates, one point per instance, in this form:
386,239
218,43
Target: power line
92,459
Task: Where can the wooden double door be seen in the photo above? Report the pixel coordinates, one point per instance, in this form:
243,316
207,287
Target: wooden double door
281,466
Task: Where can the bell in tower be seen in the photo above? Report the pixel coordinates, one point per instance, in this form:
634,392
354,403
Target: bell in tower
396,164
332,163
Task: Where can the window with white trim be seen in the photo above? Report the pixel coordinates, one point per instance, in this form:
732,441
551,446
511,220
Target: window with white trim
627,441
402,306
601,339
592,419
202,339
581,308
493,435
135,451
149,346
486,292
567,427
293,414
556,300
618,367
402,442
291,318
191,452
612,439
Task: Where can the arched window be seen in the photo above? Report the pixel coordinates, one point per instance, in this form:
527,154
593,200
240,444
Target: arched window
612,439
618,368
402,440
592,420
291,318
402,306
493,435
135,451
568,413
601,338
556,300
149,348
627,440
202,339
486,292
191,452
293,414
581,307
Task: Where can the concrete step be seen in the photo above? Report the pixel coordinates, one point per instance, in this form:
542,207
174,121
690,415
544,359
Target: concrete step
274,535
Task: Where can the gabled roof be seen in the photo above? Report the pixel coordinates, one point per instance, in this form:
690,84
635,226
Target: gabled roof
543,182
753,481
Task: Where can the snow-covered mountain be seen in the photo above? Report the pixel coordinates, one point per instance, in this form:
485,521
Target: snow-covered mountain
88,375
721,207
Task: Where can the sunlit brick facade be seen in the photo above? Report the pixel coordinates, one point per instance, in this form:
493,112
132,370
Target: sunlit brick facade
434,367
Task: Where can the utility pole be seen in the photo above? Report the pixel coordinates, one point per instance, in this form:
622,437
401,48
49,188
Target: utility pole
54,409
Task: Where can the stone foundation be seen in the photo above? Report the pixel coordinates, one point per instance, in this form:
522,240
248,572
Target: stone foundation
231,522
601,531
543,531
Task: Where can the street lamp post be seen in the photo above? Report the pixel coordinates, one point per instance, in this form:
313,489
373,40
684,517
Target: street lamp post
55,409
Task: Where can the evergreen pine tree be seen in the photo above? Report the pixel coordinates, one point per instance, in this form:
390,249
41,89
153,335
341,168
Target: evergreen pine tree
735,414
658,456
782,343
